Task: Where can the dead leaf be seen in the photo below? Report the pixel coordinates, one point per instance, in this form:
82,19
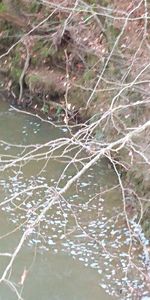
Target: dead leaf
23,276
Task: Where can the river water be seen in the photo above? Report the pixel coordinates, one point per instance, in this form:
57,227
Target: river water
80,248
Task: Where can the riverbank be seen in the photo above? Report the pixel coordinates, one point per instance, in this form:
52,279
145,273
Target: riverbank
79,61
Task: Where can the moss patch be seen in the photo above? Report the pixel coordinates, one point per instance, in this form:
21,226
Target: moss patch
2,7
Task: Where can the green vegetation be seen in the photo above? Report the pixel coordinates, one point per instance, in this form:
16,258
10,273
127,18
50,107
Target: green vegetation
16,73
45,108
2,7
34,6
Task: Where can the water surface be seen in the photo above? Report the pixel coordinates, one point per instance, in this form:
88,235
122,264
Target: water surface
79,250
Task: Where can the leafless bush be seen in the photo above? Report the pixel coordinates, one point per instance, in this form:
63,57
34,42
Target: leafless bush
119,99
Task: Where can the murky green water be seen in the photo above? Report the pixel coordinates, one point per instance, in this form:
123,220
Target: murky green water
76,251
